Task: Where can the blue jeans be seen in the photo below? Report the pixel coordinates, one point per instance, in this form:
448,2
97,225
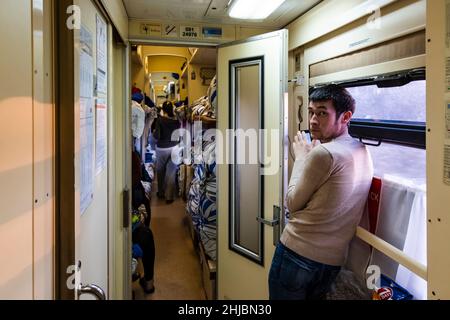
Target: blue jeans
293,277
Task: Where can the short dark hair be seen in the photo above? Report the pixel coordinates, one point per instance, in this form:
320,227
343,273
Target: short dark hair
342,99
168,108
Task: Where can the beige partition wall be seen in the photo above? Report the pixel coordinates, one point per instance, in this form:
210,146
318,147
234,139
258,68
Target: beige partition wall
119,172
438,140
16,143
43,151
26,144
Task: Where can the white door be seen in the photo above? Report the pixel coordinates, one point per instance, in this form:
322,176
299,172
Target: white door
252,90
91,150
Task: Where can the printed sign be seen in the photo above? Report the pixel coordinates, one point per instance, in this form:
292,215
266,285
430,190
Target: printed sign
153,30
210,32
86,118
101,135
171,31
447,165
447,73
189,32
102,45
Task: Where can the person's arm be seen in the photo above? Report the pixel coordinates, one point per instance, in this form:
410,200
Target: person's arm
308,175
147,109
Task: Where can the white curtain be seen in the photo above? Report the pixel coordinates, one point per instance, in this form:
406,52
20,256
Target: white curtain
402,223
415,247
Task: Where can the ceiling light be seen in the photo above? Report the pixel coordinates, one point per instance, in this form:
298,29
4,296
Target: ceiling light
253,9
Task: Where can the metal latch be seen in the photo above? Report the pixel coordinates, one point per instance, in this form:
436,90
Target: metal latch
276,216
270,223
273,223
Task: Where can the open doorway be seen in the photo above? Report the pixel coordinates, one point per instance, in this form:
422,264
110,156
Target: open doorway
174,99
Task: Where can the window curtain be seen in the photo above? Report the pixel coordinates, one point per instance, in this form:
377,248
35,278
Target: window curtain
415,247
402,223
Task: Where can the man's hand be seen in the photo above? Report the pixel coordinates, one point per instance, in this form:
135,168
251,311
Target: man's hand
301,146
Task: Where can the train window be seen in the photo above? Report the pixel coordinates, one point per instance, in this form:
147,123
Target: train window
393,113
390,108
405,165
390,118
403,104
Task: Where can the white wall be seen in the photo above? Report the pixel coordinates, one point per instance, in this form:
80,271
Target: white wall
43,153
26,146
438,200
118,14
16,145
329,16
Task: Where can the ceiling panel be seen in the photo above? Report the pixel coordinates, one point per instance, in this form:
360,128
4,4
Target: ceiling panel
211,11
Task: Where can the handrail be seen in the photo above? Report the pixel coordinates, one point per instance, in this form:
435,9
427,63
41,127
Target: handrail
393,253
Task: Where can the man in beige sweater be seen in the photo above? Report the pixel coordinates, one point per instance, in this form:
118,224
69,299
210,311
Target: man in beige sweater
326,197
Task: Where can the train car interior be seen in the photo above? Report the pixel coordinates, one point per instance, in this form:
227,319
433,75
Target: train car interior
157,142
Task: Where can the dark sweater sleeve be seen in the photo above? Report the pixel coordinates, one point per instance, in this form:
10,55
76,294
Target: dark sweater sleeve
136,169
154,124
307,176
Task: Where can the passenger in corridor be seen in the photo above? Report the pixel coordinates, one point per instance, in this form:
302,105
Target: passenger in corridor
137,119
329,186
142,234
166,168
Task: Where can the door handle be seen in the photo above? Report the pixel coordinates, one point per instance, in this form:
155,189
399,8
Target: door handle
270,223
275,224
94,290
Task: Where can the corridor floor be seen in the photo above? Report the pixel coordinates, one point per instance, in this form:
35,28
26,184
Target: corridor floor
177,268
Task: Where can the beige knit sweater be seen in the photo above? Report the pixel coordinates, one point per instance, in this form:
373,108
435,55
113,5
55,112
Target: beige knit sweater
326,198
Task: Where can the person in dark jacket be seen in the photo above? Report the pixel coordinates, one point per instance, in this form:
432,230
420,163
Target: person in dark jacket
142,235
166,168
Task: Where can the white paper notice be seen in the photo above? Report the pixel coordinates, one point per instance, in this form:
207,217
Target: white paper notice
86,154
100,146
102,41
102,59
102,93
86,77
87,130
102,83
447,165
